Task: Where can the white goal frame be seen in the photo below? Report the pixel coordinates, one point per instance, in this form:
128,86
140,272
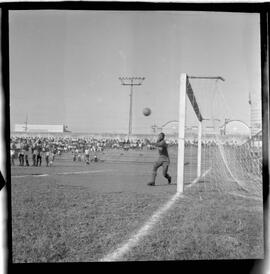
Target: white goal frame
186,89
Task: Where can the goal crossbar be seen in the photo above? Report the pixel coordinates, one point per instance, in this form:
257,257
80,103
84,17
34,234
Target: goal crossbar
207,77
233,156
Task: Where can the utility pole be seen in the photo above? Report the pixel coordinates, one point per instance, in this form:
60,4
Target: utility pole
131,81
26,122
250,113
225,124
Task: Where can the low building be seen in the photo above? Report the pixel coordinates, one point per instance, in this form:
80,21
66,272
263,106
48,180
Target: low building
31,128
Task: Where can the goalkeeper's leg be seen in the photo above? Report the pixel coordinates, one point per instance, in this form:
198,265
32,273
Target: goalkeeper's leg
156,165
165,166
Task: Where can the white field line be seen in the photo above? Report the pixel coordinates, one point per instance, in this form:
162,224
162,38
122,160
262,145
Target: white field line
246,197
62,173
146,228
198,179
29,175
133,241
83,172
41,175
231,193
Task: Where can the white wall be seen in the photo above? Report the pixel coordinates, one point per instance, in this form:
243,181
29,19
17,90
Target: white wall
38,128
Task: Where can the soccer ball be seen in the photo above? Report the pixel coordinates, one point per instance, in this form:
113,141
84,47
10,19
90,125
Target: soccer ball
146,111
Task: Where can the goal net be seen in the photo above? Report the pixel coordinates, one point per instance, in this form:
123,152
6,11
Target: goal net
215,150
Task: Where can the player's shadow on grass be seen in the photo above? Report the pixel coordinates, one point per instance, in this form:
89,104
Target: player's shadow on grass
171,184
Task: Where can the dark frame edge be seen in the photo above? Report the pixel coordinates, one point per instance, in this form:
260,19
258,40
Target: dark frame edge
5,7
6,127
265,121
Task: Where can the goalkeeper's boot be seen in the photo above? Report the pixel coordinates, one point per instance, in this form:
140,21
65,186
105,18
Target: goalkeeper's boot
151,184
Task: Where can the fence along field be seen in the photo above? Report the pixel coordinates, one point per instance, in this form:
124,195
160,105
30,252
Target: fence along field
81,212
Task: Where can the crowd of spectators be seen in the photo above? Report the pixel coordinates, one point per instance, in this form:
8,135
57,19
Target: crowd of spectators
33,150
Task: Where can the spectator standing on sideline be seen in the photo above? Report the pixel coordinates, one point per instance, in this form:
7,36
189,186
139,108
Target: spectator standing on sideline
39,154
34,154
21,154
47,155
26,152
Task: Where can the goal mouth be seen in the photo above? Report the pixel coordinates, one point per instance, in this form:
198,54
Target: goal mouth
219,147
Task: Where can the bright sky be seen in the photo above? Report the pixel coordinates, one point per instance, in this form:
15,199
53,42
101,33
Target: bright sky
64,65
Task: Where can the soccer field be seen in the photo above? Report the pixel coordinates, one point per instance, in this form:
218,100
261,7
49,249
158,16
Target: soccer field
74,212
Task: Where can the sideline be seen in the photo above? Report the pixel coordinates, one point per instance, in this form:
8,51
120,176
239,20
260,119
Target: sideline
147,227
61,173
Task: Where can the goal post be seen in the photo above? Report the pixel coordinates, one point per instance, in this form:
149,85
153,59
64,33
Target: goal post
216,155
186,91
199,155
181,133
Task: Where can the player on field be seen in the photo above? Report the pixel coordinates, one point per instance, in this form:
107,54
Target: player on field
39,153
12,153
51,158
87,155
47,155
26,152
163,160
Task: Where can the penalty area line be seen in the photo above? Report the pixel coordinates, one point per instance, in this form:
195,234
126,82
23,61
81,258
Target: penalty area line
83,172
62,173
29,175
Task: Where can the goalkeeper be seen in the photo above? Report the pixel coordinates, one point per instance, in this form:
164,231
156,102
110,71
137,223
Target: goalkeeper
163,160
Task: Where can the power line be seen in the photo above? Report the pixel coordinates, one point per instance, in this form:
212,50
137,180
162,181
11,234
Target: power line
131,81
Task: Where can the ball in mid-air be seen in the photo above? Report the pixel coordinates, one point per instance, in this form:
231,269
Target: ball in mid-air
146,111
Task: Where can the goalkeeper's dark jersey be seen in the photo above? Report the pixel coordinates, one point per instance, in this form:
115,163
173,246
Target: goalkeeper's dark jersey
163,150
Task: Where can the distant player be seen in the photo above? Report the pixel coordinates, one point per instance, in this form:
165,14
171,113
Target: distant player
51,158
87,155
163,160
26,152
39,153
12,156
47,155
95,159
